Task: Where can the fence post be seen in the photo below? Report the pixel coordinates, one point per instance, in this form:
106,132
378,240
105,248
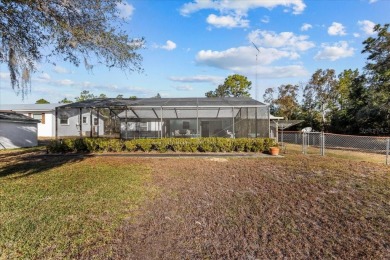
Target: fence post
303,143
322,144
387,151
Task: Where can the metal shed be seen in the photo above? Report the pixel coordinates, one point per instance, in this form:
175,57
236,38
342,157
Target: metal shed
178,117
17,130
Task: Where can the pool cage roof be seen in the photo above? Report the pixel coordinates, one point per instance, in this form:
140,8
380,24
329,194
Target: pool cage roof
172,107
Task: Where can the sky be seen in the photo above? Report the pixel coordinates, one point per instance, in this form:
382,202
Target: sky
192,46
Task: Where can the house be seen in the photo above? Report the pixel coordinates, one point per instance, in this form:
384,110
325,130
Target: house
68,121
17,130
176,117
42,112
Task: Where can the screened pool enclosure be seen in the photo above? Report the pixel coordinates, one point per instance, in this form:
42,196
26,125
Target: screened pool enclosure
164,117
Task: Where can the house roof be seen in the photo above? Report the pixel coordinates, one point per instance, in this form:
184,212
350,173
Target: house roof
16,117
167,102
28,107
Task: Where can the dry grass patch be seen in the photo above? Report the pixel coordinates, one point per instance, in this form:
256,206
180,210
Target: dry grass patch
294,207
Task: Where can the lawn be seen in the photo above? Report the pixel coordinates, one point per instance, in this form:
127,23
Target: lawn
54,207
168,208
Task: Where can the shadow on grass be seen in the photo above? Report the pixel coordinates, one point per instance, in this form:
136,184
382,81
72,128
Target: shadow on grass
33,164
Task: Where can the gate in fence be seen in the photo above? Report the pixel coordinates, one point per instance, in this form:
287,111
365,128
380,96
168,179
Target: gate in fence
320,142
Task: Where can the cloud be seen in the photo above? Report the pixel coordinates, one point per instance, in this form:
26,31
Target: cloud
336,29
227,21
44,76
240,7
125,10
169,46
233,58
184,88
372,1
198,79
65,82
367,27
284,40
4,75
265,19
334,52
356,35
306,27
61,70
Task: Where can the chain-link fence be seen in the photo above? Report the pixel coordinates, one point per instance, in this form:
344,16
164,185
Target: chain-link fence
321,143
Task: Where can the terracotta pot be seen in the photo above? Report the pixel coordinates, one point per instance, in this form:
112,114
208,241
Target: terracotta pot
274,150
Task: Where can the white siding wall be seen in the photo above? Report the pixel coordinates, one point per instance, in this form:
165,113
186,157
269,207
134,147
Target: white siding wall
73,126
16,135
47,129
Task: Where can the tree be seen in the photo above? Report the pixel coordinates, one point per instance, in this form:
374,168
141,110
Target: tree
42,101
85,95
35,30
377,72
119,96
287,102
157,96
268,98
234,86
65,101
322,84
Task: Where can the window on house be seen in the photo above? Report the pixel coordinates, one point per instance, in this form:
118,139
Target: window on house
37,116
95,121
84,119
64,120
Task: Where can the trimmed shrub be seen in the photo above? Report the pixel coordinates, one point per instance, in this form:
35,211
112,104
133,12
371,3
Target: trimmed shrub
209,144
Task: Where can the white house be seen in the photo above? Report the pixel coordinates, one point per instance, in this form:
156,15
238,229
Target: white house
45,113
17,130
68,121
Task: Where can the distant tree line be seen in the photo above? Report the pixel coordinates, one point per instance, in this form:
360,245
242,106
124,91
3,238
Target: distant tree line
351,102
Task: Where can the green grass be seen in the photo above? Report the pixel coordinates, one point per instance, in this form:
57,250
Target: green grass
60,211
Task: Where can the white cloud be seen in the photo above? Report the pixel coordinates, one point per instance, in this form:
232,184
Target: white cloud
356,35
44,76
227,21
125,10
306,26
4,75
265,19
240,7
336,29
65,82
184,88
334,52
169,46
61,70
233,58
284,40
372,1
198,79
367,27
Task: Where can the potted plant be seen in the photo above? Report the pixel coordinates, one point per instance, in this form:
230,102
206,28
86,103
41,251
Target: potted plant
274,150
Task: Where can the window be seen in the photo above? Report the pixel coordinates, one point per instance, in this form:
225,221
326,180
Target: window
37,116
84,119
40,117
95,121
186,125
64,120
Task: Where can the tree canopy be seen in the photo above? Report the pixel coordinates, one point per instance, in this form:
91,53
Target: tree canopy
34,31
42,101
350,103
234,86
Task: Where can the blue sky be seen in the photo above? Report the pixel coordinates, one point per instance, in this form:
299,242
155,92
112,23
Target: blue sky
192,46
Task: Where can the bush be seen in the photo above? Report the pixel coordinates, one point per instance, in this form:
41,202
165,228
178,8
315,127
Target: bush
209,144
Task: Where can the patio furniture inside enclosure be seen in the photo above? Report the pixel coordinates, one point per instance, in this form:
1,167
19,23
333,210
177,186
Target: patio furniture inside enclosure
164,117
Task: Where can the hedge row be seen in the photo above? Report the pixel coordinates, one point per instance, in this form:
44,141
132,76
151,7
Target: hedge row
211,144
